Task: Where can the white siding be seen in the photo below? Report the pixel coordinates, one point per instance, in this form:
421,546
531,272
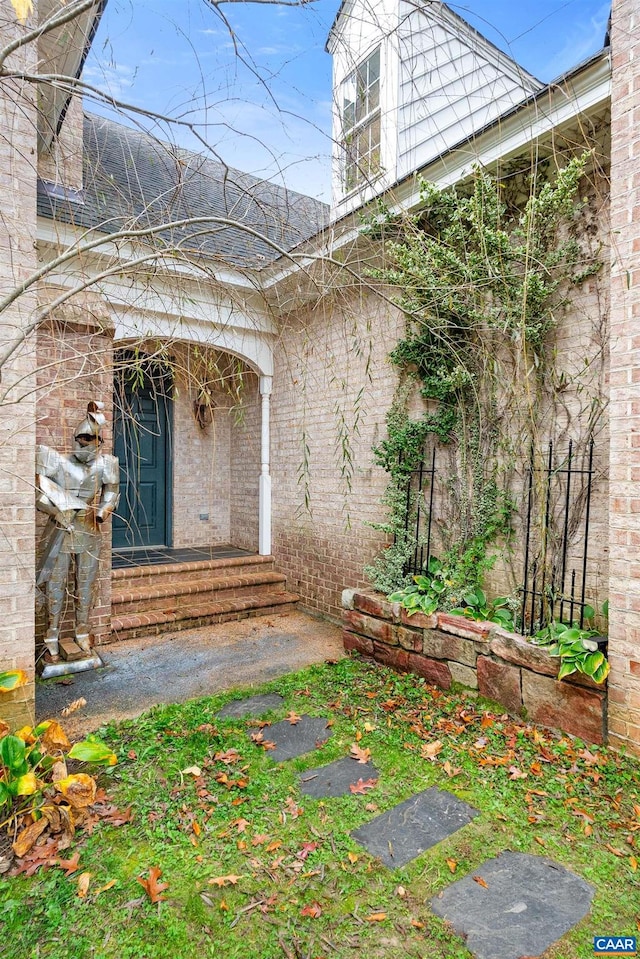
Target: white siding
362,26
452,84
441,82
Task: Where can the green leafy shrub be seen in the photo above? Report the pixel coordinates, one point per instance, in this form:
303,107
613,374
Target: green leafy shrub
479,608
576,648
37,792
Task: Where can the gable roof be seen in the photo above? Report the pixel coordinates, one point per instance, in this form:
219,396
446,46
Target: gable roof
132,180
442,11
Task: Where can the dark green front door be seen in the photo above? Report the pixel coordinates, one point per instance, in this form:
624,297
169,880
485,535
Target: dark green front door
142,443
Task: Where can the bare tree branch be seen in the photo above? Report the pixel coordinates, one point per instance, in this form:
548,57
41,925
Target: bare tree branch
65,15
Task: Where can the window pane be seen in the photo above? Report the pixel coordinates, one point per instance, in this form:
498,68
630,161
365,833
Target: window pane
374,96
374,66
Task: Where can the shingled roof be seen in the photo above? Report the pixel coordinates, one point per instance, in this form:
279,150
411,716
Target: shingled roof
132,180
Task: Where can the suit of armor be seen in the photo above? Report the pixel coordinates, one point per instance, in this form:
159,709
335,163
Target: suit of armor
78,491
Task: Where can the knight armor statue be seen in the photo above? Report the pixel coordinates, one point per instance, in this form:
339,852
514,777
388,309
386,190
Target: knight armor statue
78,491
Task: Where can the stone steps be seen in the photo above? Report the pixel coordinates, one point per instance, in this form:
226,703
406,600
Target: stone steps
154,599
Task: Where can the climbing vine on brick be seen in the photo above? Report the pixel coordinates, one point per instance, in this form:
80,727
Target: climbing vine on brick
482,282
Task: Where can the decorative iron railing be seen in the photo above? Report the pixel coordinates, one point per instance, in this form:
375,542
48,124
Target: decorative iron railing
557,495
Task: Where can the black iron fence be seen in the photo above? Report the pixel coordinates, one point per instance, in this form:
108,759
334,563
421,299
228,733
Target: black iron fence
556,544
556,496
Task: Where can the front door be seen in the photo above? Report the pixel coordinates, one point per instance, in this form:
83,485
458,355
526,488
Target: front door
142,443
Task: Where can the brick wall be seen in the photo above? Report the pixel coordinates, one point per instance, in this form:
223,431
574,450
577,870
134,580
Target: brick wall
17,433
624,614
201,463
321,369
335,349
62,164
75,365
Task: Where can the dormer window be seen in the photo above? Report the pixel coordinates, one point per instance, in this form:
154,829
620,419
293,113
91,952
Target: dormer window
360,96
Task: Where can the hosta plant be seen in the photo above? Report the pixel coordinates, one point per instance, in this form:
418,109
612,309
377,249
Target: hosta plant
425,594
478,607
577,649
37,792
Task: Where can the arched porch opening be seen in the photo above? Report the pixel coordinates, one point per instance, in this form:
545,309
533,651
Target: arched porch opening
192,434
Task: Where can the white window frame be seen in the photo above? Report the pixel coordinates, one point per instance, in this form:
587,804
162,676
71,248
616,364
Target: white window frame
361,121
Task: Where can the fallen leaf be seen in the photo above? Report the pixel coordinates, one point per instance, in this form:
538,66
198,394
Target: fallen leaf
84,880
73,707
401,892
633,862
194,771
228,757
151,886
540,841
616,852
431,750
293,809
313,911
352,857
69,865
359,754
450,770
293,718
107,885
273,845
481,882
417,924
260,840
307,849
221,881
28,836
195,825
515,773
361,786
453,865
241,824
376,917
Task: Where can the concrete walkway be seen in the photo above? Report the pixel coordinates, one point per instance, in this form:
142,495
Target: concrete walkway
175,667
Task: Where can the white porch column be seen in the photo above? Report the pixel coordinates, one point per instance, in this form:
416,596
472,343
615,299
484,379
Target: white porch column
264,533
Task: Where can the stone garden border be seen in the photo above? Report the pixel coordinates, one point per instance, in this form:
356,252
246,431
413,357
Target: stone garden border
502,666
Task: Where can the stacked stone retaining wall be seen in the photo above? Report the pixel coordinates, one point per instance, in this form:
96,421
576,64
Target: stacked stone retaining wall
502,666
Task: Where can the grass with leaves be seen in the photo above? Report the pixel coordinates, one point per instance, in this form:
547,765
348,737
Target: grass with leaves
223,855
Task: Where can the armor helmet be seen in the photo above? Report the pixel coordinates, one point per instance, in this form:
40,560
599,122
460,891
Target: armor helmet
92,424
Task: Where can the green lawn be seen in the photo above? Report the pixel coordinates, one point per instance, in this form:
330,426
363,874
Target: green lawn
290,881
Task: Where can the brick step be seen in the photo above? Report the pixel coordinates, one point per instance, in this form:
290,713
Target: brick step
161,621
178,572
133,596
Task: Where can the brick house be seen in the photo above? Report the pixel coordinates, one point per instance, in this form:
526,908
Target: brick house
214,287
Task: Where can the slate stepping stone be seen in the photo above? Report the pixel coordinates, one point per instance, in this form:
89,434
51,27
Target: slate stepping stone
529,902
335,778
404,832
251,706
295,739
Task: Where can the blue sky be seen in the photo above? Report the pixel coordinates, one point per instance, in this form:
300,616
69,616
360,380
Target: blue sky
258,87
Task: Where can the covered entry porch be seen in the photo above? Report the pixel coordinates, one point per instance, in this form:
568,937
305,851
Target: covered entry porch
192,534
